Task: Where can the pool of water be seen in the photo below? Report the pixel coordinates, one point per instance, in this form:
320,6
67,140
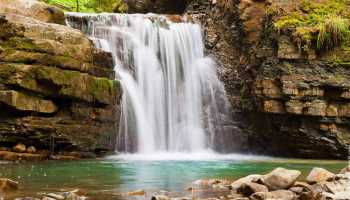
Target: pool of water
107,178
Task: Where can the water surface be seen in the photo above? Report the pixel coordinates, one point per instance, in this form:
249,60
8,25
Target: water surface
106,178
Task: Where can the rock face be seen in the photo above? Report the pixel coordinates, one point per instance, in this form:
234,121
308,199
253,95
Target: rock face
157,6
34,9
57,91
293,102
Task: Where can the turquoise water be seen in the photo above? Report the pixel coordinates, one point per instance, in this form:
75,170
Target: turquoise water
106,178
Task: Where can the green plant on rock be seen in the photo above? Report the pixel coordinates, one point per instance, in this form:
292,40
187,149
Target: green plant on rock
322,24
333,32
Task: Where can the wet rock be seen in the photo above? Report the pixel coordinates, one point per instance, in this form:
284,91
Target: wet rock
19,148
8,185
280,178
318,175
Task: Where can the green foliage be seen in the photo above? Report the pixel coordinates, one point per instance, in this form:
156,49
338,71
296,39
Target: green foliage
322,25
89,6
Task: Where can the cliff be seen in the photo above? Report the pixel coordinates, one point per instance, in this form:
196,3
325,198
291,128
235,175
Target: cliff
286,69
57,91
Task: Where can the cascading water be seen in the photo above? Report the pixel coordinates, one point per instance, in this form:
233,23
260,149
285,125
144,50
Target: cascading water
172,98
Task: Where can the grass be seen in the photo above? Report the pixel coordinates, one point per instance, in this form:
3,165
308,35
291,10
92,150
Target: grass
318,24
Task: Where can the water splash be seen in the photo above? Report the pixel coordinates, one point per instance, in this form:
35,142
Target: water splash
172,98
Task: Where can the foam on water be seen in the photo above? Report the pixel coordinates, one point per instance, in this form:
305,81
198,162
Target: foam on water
193,156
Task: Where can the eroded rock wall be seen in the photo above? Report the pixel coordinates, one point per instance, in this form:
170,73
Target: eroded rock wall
286,102
57,91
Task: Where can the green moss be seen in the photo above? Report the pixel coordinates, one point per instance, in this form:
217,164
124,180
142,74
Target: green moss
321,25
20,43
102,85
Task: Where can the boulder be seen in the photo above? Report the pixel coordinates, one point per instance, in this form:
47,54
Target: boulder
245,180
31,149
34,9
275,195
7,184
280,178
248,189
19,148
318,175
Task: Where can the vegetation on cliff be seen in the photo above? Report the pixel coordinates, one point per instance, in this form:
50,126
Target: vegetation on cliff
89,6
321,25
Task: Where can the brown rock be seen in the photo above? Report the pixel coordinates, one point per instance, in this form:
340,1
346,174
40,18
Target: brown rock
316,108
23,102
31,149
273,106
19,148
137,193
245,180
345,170
287,50
34,9
248,189
7,184
318,175
280,178
275,195
12,156
294,107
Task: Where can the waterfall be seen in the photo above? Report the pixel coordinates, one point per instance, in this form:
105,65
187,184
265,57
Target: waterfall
172,98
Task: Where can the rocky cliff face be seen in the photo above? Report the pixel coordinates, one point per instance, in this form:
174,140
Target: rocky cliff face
289,101
57,91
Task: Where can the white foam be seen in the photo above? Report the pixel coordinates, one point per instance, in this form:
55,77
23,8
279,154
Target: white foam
183,156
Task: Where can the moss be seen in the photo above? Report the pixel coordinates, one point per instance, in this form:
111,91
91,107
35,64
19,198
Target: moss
321,25
102,85
21,43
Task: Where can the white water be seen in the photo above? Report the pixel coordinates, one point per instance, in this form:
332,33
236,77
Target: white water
171,92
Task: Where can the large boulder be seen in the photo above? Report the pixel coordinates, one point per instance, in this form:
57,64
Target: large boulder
280,178
318,175
34,9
